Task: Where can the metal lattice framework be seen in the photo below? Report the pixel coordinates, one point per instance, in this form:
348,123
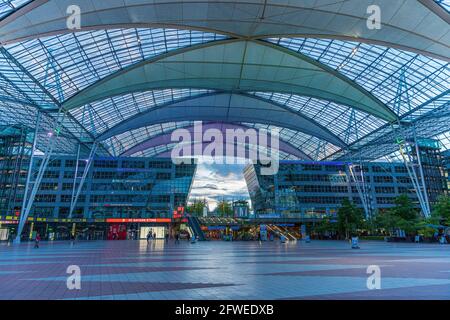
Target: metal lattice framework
314,61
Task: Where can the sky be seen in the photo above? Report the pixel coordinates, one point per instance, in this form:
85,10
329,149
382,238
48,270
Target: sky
216,181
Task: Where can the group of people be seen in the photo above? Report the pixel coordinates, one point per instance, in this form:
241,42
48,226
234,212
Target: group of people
152,235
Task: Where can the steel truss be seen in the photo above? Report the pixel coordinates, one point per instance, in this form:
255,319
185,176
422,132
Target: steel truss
358,177
361,187
412,168
86,169
405,150
29,200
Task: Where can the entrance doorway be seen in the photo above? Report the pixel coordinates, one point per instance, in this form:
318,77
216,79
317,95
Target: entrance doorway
160,232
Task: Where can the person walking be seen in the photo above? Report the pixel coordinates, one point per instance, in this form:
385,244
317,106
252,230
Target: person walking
36,241
167,237
10,238
177,238
149,235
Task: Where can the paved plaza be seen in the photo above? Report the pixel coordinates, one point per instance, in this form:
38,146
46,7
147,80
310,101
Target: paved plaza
224,270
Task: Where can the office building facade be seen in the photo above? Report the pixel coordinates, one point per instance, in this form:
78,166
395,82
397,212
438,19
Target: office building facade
301,189
113,188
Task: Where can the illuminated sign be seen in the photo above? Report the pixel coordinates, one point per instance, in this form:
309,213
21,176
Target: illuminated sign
178,213
9,222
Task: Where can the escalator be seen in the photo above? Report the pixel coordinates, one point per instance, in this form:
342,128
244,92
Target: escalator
279,232
289,234
196,229
275,231
295,233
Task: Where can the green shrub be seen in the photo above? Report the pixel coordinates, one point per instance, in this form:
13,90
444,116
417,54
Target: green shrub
377,238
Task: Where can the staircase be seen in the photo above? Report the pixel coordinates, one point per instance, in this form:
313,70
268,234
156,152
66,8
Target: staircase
196,229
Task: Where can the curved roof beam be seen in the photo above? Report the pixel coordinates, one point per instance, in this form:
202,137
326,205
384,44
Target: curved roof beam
165,139
418,26
235,65
168,152
225,107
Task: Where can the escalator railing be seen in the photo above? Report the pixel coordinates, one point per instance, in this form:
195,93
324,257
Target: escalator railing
279,232
195,226
286,232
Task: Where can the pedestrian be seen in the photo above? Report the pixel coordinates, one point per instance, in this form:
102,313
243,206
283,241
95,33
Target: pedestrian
177,238
154,235
10,238
167,237
36,241
149,235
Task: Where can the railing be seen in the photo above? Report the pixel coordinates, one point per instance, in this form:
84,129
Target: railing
195,226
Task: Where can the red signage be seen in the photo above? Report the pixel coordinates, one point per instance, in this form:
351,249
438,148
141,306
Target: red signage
117,232
178,213
157,220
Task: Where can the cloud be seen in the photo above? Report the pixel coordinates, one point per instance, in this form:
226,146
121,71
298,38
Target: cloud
215,182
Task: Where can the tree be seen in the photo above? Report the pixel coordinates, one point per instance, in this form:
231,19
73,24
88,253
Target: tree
387,220
441,210
404,208
402,216
350,218
325,225
196,207
224,208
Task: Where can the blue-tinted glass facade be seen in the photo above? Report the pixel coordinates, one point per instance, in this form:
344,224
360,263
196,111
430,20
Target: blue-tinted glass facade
300,188
114,188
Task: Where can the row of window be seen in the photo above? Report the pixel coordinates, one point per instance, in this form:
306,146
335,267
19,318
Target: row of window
313,188
119,198
340,168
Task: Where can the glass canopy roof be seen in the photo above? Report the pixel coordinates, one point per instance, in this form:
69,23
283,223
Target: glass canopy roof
45,72
444,4
8,6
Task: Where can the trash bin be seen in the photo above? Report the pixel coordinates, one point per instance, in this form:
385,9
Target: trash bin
355,243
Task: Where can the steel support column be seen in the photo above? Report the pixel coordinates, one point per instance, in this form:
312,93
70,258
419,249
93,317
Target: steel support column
361,188
28,202
419,185
83,178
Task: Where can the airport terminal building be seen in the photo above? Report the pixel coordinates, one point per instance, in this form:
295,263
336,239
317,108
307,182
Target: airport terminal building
115,190
303,189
